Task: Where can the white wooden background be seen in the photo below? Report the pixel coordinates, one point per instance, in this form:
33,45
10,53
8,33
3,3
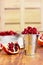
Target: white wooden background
18,14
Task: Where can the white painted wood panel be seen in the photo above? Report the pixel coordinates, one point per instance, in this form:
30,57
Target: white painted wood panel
32,15
12,15
14,27
41,14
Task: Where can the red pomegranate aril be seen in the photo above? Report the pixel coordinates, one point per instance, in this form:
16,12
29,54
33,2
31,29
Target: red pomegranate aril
41,37
15,33
30,30
12,33
16,46
23,32
11,50
0,45
34,30
29,27
11,46
2,33
8,33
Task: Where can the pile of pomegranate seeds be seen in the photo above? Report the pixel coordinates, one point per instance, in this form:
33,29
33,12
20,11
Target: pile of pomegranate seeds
8,33
12,46
16,46
30,30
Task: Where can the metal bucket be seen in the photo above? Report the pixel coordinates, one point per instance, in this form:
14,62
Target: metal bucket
30,41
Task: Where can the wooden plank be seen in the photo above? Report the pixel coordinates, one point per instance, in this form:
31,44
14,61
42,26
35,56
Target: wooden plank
21,59
12,23
32,22
11,8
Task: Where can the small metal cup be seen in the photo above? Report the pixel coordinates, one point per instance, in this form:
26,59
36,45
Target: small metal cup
30,41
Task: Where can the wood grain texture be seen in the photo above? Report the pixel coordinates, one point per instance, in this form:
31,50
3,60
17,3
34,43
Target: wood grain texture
21,59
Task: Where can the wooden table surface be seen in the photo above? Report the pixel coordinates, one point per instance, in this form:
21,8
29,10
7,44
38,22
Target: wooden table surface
21,59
